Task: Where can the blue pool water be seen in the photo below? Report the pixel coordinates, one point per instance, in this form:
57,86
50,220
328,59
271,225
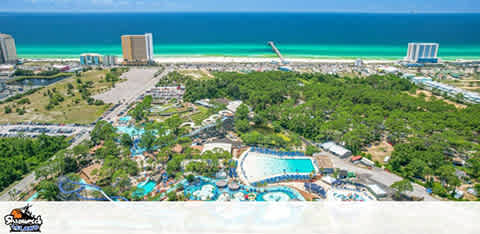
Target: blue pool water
260,166
205,189
125,119
131,130
86,186
145,188
33,197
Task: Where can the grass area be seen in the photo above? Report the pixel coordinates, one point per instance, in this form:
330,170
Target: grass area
197,74
379,151
265,135
73,109
202,114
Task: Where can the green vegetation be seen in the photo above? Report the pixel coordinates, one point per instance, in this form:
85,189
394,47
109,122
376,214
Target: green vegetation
202,114
401,187
48,77
19,156
141,110
67,101
20,95
358,111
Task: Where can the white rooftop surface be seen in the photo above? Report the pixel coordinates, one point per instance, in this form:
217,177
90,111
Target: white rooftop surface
6,67
217,146
377,190
328,179
233,105
337,149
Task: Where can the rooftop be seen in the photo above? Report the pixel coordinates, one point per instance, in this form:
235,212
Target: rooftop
215,146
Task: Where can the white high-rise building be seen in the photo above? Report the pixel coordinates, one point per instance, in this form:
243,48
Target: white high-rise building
422,52
149,42
8,51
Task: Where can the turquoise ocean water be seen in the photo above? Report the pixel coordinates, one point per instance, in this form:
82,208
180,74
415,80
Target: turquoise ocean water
339,35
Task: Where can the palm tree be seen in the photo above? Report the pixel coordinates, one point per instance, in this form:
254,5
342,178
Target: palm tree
13,194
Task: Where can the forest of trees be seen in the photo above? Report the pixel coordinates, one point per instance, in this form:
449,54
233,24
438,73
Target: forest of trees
359,111
21,155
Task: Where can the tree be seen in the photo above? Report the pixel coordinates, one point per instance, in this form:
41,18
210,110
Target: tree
242,112
447,174
13,194
126,140
70,165
242,125
80,149
103,130
173,123
401,186
311,150
477,189
190,178
474,165
148,140
172,196
48,190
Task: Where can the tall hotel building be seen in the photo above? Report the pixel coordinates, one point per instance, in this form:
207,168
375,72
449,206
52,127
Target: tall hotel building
422,52
8,51
137,49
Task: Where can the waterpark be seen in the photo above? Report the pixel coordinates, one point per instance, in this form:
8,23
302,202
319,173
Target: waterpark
259,166
207,189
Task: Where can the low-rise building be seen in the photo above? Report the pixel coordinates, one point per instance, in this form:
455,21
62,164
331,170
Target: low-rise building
166,93
233,105
90,59
367,162
376,190
109,60
336,149
6,70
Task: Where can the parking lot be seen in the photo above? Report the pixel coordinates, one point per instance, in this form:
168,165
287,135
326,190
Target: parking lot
33,130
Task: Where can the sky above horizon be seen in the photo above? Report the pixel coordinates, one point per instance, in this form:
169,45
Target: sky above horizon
376,6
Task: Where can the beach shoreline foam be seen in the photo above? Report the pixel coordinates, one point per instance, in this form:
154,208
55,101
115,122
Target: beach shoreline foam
228,59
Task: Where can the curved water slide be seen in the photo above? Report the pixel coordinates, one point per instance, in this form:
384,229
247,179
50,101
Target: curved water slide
84,186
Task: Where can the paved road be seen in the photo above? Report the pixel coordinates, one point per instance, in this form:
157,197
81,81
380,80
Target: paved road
35,130
378,175
24,184
147,82
137,80
130,97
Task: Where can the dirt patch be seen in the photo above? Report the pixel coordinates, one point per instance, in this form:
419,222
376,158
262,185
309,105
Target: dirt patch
379,151
429,94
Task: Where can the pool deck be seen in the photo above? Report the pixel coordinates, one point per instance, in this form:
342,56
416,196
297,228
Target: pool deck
246,181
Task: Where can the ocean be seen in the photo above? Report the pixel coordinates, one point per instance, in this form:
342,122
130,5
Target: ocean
322,35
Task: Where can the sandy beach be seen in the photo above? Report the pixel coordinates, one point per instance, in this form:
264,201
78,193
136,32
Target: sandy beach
226,59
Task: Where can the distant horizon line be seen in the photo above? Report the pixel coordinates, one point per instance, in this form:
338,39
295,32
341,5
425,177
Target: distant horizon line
253,12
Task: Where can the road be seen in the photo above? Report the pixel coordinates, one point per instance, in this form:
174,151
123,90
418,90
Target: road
375,174
378,175
35,130
130,97
24,184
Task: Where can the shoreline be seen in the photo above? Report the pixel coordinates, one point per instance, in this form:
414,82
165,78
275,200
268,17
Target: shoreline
246,59
232,59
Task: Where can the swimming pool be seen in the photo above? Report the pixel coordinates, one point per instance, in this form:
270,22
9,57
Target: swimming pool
131,130
125,119
145,188
256,166
204,189
33,197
